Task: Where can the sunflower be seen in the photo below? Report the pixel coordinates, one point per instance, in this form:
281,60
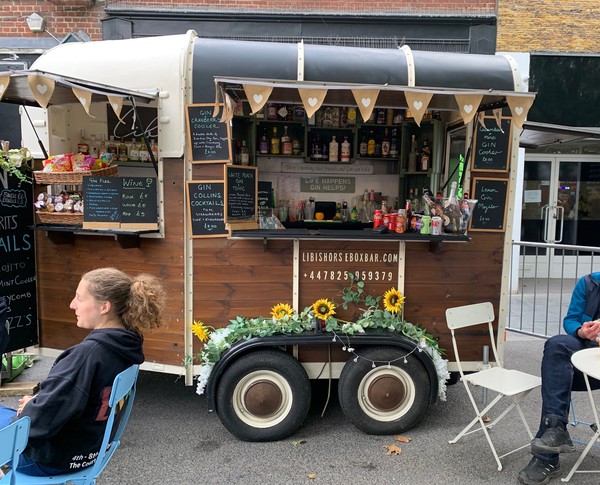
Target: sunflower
281,310
323,309
393,300
200,331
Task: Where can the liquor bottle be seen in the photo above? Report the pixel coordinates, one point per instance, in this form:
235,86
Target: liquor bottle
408,210
425,156
93,146
371,145
113,148
102,145
244,154
335,117
316,149
154,149
238,152
325,150
82,146
354,214
327,120
345,157
412,156
296,146
371,207
143,149
377,153
333,149
362,150
263,144
343,117
384,209
123,152
385,145
381,116
364,215
275,143
286,142
394,144
351,116
134,151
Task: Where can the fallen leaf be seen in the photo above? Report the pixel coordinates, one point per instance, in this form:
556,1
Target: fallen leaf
298,442
486,419
312,476
403,439
393,450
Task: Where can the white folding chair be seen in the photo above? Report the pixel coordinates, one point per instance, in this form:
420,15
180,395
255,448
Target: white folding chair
508,383
588,362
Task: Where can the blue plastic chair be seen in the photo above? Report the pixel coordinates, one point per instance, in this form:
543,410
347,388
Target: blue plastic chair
124,387
13,440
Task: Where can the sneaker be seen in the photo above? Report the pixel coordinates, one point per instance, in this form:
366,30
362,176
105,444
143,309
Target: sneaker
538,472
554,440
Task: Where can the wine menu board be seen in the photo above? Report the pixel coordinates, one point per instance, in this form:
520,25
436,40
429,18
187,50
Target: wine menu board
206,208
208,136
490,212
139,203
17,262
241,189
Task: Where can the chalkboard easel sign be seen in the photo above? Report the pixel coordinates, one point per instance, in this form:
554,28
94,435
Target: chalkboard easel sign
492,145
490,212
206,208
208,137
241,201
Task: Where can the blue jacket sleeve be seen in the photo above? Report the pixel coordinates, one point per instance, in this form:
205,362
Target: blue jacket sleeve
576,317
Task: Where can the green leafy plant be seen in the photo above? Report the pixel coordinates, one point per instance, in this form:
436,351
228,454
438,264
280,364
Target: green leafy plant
16,162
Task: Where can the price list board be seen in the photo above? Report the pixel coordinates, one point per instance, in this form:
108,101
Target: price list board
490,212
208,136
492,145
241,194
139,203
101,202
206,208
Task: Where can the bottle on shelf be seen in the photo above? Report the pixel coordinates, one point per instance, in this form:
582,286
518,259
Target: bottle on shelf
286,142
345,154
134,151
113,148
377,153
263,144
364,215
354,214
123,151
351,116
385,145
333,149
362,150
237,153
394,144
296,146
371,145
381,116
425,156
384,209
82,146
244,154
275,143
94,147
102,145
154,149
325,150
371,206
408,210
412,156
316,149
143,151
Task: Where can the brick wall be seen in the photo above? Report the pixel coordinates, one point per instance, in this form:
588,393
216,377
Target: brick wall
543,26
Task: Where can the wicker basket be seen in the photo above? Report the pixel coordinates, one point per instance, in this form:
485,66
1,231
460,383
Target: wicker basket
67,218
72,178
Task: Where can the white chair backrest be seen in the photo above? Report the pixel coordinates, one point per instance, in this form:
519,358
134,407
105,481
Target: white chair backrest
13,440
468,315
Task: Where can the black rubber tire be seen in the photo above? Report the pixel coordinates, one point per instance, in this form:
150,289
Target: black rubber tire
263,396
384,400
454,378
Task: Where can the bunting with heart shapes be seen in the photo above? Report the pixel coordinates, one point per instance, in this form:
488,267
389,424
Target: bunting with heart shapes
42,88
227,114
417,103
519,107
498,117
84,97
4,81
116,103
312,99
468,105
365,100
257,96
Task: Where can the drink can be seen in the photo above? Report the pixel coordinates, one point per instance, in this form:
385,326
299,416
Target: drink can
386,220
436,226
400,223
392,222
377,218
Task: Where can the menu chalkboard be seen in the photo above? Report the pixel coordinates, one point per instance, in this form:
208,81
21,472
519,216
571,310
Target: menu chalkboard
17,261
139,203
101,202
490,212
264,195
208,136
240,193
206,206
492,146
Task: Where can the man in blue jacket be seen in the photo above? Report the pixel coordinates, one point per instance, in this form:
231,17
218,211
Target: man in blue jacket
559,378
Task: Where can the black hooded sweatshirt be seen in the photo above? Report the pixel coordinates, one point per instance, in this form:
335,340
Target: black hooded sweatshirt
69,413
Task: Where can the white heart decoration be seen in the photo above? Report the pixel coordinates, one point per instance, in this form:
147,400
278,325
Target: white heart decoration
257,98
468,108
41,88
115,106
366,102
312,102
2,88
418,105
519,110
82,100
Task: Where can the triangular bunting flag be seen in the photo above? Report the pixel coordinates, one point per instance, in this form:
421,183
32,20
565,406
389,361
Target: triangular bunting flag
468,105
4,82
498,117
116,103
481,120
417,104
257,96
365,100
42,88
312,99
84,97
227,109
519,107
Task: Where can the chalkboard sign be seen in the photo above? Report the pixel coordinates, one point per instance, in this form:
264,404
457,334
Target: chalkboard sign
492,146
264,195
139,203
208,136
206,207
17,261
101,202
240,193
490,212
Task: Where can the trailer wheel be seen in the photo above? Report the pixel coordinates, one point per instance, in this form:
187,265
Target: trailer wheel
263,396
385,399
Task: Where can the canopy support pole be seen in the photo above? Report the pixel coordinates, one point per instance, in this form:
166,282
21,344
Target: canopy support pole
40,143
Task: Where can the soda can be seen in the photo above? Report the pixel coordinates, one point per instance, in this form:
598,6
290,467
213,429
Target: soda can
377,218
436,226
392,222
400,223
386,220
